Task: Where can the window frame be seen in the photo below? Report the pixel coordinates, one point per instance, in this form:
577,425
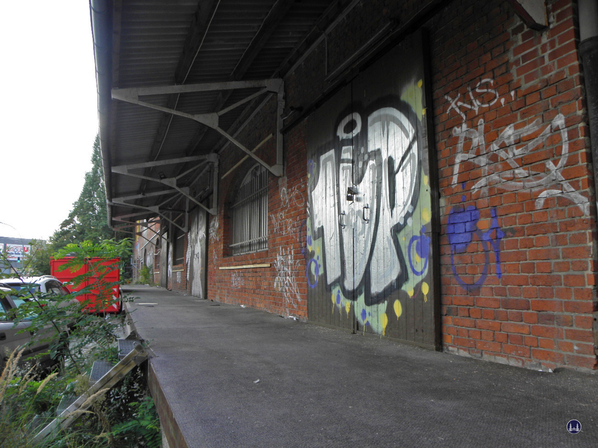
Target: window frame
249,211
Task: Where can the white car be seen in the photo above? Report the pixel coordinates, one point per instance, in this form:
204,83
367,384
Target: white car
44,284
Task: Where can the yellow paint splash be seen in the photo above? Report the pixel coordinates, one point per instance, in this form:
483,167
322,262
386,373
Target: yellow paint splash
398,308
384,322
417,259
413,96
425,290
348,307
426,215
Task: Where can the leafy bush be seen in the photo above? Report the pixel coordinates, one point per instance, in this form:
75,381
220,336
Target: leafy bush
121,417
146,275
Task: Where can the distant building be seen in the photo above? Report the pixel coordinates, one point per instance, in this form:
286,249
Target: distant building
13,251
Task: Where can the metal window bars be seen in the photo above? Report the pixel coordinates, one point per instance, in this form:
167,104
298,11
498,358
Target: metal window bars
250,213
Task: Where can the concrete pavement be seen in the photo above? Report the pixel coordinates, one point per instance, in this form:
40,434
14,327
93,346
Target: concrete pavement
228,376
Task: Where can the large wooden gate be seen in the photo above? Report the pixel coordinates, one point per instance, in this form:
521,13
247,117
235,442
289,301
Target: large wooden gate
371,231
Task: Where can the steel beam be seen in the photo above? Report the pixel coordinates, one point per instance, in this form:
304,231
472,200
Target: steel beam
271,85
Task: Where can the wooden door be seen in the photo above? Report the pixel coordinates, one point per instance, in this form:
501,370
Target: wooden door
371,263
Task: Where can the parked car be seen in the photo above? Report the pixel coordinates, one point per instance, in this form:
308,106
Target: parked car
13,337
13,293
44,285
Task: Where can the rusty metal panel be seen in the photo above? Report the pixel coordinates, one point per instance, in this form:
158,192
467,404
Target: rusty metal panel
197,254
370,229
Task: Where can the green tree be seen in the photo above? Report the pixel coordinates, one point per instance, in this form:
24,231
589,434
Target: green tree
87,221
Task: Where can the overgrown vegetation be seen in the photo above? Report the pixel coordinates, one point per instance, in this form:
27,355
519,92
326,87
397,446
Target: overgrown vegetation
123,416
146,275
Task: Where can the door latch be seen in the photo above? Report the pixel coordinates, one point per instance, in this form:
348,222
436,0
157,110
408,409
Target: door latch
341,220
363,212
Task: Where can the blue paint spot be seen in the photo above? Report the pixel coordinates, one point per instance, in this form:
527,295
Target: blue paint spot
462,224
316,272
462,227
422,249
364,315
338,298
463,198
495,240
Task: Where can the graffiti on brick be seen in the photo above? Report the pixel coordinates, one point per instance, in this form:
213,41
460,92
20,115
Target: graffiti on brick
213,232
286,268
369,209
289,197
507,151
237,280
463,229
501,165
281,225
482,96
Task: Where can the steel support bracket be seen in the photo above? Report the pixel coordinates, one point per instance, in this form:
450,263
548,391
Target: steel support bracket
211,120
170,182
532,12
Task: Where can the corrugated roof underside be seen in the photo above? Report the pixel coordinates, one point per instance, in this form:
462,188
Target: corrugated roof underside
150,38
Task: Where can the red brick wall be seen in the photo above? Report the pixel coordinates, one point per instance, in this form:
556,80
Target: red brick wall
537,311
281,287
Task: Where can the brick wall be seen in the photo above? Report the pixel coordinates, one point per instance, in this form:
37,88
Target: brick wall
516,189
281,286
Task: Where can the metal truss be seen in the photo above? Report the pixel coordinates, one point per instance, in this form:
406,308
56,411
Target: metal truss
170,182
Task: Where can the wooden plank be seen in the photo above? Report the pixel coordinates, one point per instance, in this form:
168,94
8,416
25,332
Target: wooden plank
109,380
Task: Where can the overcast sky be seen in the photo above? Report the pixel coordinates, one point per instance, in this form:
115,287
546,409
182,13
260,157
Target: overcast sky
49,113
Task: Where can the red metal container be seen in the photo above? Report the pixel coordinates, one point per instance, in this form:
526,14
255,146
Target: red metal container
111,303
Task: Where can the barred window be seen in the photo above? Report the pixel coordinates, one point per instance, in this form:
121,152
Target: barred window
250,213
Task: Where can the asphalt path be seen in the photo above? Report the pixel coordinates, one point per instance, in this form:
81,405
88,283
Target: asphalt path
240,377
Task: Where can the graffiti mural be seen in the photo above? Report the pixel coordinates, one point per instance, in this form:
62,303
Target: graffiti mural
369,244
502,166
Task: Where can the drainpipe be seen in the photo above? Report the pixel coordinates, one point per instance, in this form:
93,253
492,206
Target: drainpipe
588,50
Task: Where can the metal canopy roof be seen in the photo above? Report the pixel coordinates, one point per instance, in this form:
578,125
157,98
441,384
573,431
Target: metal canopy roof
176,79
